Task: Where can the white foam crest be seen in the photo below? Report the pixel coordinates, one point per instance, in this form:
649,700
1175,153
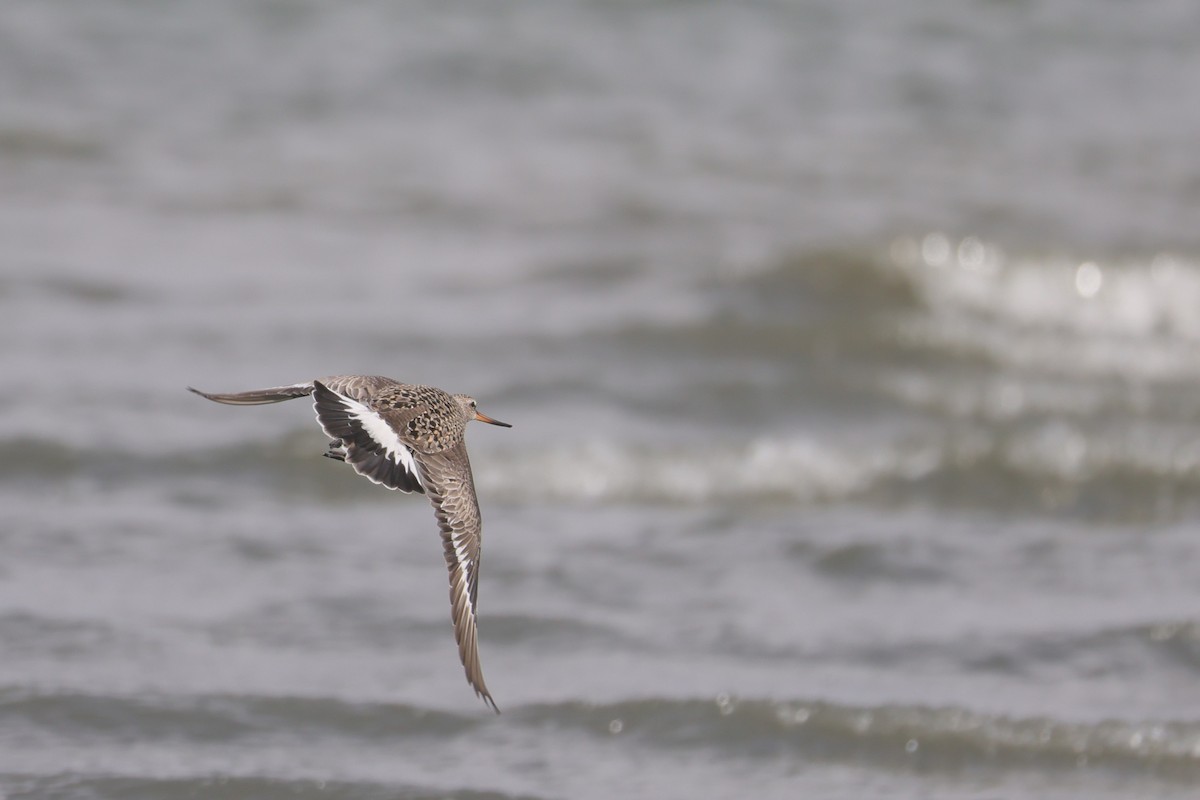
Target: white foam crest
1159,295
996,399
1086,315
1069,453
784,469
806,471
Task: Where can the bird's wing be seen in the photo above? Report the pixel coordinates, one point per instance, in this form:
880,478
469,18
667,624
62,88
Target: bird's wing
451,489
258,397
371,439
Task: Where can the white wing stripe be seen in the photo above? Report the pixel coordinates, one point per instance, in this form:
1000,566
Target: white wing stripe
384,434
465,566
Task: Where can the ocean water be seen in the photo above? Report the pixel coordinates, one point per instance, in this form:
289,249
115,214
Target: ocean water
851,350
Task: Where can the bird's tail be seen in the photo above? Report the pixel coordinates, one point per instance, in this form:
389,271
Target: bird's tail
259,397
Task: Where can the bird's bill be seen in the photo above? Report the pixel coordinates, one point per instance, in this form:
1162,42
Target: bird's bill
490,421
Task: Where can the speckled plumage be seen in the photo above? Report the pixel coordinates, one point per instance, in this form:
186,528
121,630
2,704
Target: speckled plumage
410,438
427,418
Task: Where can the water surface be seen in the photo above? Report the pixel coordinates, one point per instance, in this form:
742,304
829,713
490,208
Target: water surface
850,350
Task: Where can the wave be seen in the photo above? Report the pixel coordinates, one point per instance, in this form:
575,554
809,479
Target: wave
970,301
29,143
1055,466
947,739
227,787
218,717
1130,652
1148,295
931,738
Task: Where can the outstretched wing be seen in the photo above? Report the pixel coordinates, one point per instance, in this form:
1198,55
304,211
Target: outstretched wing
370,438
258,397
451,489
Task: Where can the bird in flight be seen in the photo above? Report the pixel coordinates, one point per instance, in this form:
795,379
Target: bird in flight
410,438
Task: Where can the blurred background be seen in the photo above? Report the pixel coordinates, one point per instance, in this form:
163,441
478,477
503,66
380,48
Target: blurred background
850,348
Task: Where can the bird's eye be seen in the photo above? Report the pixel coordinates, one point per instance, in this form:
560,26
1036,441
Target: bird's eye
473,404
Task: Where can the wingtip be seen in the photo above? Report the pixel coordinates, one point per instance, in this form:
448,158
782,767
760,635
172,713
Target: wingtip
481,691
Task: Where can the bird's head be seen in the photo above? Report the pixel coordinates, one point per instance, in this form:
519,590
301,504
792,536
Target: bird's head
470,411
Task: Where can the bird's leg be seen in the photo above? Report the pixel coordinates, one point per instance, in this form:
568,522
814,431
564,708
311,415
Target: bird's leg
337,450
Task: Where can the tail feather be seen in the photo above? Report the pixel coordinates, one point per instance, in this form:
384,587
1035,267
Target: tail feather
258,397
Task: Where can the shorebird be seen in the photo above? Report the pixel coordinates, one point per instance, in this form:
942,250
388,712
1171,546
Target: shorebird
409,438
